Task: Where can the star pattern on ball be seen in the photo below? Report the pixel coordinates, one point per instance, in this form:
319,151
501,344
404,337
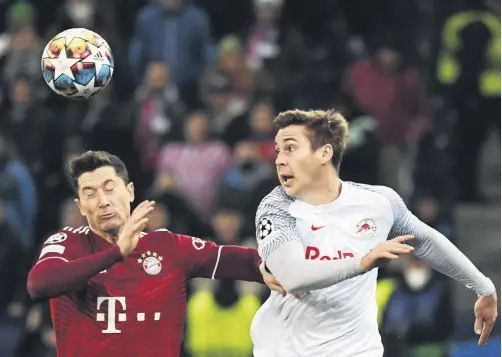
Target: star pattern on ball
87,90
265,228
62,65
98,56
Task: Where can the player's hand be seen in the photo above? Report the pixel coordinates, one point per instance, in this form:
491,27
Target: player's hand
271,281
129,236
385,252
486,313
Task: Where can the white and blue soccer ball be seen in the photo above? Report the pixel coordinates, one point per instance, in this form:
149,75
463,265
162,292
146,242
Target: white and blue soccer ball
77,63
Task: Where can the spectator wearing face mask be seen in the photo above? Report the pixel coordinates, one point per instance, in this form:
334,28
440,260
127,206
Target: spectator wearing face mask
415,310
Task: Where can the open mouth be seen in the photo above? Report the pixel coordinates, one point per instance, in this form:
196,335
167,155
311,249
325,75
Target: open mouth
286,178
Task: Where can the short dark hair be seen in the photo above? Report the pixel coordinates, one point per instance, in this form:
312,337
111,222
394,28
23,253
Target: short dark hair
93,160
325,127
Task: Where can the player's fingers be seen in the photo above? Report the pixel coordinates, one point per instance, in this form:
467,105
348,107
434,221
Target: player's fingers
402,239
400,250
143,205
478,325
388,255
143,212
485,333
138,227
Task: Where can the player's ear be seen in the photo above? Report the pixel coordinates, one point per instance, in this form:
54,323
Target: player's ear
326,153
130,190
79,205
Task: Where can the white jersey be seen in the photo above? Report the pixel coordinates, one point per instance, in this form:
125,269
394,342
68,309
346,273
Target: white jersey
340,320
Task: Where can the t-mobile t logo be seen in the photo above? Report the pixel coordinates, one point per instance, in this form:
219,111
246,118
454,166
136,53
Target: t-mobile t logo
111,317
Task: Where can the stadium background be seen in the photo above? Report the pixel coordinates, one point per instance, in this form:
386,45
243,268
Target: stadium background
190,111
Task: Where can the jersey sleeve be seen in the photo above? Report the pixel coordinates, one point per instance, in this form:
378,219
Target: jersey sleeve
62,268
274,225
61,246
433,247
204,259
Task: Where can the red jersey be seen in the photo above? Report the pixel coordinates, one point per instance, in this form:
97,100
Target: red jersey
137,305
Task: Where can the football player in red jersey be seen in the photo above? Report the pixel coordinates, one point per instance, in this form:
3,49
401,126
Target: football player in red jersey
114,290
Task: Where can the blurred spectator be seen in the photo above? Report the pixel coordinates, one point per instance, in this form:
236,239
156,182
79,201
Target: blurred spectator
261,122
361,158
163,30
160,111
160,218
19,15
23,56
70,214
194,167
32,127
13,265
225,106
277,48
257,127
416,311
244,175
385,88
174,213
468,71
18,195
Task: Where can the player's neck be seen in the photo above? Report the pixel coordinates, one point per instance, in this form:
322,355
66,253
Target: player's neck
109,237
324,190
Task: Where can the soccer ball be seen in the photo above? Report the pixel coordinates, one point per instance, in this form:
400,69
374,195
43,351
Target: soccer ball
77,63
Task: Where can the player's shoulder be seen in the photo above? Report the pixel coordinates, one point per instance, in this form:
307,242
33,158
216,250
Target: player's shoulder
373,190
276,202
158,234
382,194
68,235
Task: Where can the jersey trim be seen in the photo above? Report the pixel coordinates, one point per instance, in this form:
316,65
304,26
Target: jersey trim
40,261
217,262
53,248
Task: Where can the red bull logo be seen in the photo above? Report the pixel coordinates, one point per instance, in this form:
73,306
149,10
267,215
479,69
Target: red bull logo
366,228
314,253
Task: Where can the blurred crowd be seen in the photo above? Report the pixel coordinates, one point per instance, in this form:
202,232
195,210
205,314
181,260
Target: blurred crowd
190,110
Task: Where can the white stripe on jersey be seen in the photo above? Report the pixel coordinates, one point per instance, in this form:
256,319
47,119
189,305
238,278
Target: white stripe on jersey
53,248
79,230
217,262
40,261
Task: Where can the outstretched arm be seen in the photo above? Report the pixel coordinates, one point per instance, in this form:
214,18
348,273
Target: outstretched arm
204,259
434,248
442,255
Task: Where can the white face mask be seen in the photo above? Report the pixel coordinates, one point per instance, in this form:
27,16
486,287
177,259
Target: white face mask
80,11
417,278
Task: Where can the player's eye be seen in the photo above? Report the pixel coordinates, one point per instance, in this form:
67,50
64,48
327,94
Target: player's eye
291,148
110,188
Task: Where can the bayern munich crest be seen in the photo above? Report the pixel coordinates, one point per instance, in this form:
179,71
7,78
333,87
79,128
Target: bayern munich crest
151,262
366,228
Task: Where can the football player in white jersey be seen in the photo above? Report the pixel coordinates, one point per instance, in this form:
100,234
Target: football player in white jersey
322,238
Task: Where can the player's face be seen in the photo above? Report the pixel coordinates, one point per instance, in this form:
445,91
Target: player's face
298,165
104,199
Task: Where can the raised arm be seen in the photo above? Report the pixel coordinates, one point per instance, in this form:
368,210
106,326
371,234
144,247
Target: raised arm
204,259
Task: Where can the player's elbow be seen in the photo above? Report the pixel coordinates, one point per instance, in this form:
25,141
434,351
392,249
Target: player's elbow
36,287
34,290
